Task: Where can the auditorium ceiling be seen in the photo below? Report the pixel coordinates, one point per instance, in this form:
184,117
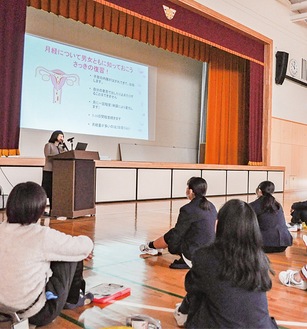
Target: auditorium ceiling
298,10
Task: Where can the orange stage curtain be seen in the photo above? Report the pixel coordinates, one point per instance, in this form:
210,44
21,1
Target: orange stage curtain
227,114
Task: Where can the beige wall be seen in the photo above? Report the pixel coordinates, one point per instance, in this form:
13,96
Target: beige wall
289,149
289,107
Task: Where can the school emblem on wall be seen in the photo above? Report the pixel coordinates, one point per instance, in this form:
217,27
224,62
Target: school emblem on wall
169,12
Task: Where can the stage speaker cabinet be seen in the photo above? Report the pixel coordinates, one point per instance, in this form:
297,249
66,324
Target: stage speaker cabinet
281,66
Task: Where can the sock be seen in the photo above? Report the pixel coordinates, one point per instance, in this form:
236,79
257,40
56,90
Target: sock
181,311
50,295
150,245
83,300
303,273
185,305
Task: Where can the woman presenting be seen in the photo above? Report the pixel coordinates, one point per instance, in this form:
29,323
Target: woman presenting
54,146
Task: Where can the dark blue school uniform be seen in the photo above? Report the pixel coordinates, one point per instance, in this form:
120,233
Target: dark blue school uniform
299,212
216,303
195,227
275,233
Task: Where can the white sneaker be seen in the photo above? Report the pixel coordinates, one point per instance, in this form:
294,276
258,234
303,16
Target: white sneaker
287,278
144,248
305,239
294,227
180,317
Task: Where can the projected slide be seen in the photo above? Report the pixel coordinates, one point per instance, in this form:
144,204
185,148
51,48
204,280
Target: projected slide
84,92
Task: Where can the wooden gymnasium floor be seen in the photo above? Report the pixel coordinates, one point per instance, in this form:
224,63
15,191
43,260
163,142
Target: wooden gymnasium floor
119,228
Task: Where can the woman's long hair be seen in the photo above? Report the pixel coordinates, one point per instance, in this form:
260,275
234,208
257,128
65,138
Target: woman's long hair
54,136
239,242
270,204
199,187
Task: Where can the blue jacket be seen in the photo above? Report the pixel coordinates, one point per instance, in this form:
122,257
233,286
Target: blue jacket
195,227
272,225
216,303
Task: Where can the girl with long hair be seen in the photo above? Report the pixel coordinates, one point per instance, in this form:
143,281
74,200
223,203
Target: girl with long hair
226,286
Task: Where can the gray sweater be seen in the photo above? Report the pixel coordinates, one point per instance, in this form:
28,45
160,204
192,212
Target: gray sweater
50,150
26,252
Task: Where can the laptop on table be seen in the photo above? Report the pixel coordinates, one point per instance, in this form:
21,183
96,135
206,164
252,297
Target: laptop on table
81,146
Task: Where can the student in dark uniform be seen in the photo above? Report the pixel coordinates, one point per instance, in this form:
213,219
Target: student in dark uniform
226,286
275,234
298,215
195,226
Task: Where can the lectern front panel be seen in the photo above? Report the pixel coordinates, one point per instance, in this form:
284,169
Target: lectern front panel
63,187
73,192
84,184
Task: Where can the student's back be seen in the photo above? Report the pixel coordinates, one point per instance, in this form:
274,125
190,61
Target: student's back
218,303
226,286
271,219
195,227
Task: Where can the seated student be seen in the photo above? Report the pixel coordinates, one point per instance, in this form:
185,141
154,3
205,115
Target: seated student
226,286
271,219
41,268
195,226
298,215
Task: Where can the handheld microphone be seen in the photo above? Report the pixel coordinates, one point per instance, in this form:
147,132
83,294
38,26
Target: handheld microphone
70,139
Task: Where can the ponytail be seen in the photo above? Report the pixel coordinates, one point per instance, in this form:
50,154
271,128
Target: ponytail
269,202
204,203
199,187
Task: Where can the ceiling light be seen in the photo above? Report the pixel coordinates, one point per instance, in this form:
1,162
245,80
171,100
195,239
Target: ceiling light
298,17
299,6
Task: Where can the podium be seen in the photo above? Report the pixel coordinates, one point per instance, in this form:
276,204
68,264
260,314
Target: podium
73,184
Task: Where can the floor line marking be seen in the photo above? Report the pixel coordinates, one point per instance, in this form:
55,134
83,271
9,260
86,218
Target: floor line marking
71,320
171,310
148,307
292,323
